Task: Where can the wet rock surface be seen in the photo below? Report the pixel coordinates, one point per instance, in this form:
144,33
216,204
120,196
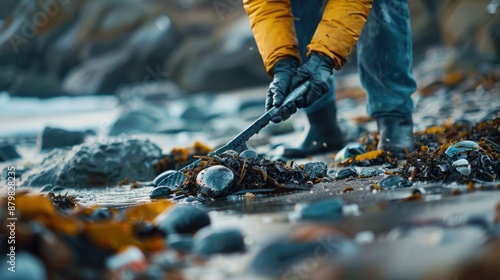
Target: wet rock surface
96,164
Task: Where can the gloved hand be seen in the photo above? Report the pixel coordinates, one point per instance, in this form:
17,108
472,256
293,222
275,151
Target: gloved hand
279,88
317,70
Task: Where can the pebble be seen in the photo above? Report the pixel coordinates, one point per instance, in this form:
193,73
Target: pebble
215,181
162,176
345,173
8,152
330,209
160,192
183,219
277,258
249,154
462,166
223,241
393,181
348,151
100,214
180,242
315,169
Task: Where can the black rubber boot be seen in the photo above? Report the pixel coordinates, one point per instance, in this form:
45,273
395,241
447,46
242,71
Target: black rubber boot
396,135
322,135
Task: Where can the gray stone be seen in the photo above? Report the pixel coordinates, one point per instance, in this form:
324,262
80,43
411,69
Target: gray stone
183,220
208,242
316,169
56,138
215,181
88,164
180,242
162,176
393,181
325,210
345,172
160,193
249,154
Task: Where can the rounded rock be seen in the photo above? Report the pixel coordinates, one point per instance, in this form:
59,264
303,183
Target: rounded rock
391,182
215,181
160,192
184,220
330,209
345,173
208,242
249,154
180,242
162,176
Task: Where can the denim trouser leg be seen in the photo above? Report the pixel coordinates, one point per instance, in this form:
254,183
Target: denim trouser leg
385,59
308,14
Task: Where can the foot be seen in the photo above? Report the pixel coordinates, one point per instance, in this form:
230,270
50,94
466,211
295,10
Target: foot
321,136
396,135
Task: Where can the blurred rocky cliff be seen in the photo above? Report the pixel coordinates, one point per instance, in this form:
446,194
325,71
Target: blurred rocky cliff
62,47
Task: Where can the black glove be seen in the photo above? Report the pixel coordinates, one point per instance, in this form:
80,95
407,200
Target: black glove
317,70
279,88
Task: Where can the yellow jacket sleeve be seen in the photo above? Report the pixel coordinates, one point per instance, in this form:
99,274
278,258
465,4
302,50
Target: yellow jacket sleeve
339,29
273,29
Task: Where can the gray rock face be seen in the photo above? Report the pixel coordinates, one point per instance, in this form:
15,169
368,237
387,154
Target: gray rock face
97,164
316,169
215,181
57,137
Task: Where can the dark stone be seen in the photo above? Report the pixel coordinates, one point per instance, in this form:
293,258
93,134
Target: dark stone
160,192
173,181
393,182
316,169
57,137
215,181
134,122
162,176
180,242
184,220
345,173
8,152
277,258
330,209
224,241
249,154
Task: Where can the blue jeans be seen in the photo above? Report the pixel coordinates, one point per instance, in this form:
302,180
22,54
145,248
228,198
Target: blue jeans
385,55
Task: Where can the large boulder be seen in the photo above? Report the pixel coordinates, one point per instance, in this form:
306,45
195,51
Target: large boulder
96,164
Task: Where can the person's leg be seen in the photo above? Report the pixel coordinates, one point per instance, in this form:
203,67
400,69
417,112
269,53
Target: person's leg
385,60
322,134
